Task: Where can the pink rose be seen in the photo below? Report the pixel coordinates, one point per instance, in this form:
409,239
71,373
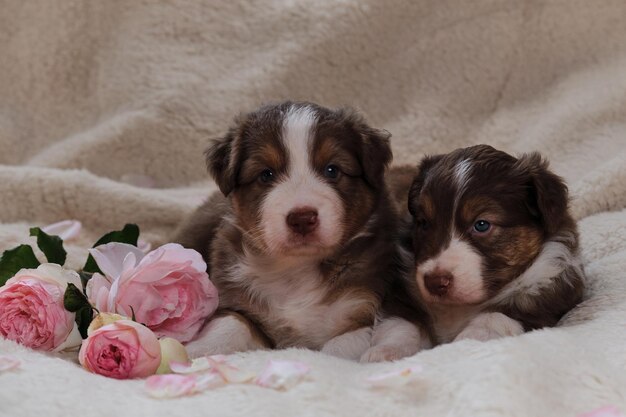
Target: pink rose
32,312
168,289
123,349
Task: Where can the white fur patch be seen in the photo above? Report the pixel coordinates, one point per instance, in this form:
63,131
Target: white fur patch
449,321
462,171
222,335
350,345
301,188
554,257
465,265
488,326
395,338
293,291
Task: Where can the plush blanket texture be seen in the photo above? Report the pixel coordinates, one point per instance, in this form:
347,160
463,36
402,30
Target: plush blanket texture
106,107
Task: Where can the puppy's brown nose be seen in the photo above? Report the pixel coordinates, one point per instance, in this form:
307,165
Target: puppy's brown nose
303,220
438,282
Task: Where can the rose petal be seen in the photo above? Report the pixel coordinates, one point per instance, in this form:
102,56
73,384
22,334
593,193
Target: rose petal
229,372
111,258
209,381
8,363
171,351
144,245
607,411
170,386
66,229
197,365
395,379
282,374
216,364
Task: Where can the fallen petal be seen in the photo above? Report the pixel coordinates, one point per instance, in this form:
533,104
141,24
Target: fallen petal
66,229
216,364
395,379
209,381
170,386
282,374
8,364
195,366
229,372
608,411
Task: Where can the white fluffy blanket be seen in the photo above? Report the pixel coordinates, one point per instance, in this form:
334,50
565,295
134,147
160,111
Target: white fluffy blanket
106,107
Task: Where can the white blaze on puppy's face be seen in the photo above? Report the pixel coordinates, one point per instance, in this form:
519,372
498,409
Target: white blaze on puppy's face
465,266
301,188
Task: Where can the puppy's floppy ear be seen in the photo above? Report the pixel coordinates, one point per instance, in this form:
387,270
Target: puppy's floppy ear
222,158
423,168
375,152
548,195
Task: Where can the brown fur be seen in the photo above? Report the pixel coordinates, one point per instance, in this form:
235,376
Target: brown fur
527,206
366,263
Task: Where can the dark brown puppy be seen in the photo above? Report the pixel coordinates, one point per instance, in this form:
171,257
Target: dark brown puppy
496,249
302,245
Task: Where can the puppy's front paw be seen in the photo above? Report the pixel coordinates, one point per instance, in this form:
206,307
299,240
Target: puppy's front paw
349,345
383,353
489,326
224,335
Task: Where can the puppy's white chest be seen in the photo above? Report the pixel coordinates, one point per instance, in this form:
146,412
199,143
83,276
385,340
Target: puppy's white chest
299,308
449,321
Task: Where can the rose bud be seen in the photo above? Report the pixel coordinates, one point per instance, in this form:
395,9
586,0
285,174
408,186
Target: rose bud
171,351
122,349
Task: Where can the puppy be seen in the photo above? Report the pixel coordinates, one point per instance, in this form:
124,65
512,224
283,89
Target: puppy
496,249
302,242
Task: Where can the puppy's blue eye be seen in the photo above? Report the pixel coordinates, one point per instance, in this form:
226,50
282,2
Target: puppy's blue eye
482,226
266,176
331,171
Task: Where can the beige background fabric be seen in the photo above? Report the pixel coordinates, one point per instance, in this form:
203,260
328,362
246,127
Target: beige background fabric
106,107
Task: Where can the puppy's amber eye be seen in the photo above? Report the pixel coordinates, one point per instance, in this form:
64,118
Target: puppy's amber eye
482,226
267,176
331,171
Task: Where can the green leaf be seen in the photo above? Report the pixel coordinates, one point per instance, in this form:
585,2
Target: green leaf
129,234
51,246
74,299
84,278
13,260
83,319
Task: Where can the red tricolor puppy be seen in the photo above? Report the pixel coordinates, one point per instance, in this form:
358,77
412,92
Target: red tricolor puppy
302,244
496,249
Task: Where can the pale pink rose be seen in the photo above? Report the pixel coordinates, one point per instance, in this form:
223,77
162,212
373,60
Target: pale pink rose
123,349
168,288
32,312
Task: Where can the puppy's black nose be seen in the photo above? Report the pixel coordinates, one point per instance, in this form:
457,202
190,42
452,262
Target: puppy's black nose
438,282
302,220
